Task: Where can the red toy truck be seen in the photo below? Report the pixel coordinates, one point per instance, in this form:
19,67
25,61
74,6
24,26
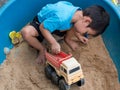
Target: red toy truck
63,70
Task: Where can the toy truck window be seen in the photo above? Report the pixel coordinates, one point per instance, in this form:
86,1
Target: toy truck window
74,69
63,69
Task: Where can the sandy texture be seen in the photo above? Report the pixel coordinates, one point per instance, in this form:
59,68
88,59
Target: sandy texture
2,2
20,71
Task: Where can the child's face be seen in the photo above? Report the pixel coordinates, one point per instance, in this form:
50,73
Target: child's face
81,27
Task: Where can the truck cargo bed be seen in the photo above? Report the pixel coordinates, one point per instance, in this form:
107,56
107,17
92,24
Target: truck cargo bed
57,59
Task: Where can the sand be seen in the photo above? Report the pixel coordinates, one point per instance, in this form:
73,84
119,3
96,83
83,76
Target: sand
2,2
21,72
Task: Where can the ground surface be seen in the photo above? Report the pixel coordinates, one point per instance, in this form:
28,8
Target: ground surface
20,71
2,2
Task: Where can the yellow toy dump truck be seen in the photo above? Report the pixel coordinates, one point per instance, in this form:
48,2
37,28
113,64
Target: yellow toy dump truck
63,70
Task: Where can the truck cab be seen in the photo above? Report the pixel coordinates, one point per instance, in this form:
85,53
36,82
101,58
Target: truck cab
71,71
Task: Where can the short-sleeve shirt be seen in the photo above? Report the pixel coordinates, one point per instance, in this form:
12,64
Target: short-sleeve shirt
57,16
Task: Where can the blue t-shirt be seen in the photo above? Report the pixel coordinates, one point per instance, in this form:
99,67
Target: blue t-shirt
57,16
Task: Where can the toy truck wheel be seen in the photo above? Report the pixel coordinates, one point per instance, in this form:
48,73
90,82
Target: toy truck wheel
81,82
55,78
48,71
63,85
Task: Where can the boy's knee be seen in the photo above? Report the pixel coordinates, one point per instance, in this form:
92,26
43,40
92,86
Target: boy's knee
25,33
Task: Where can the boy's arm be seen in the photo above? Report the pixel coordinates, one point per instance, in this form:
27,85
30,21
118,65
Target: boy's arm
55,47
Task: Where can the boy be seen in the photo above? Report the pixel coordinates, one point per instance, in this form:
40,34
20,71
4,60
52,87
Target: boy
64,19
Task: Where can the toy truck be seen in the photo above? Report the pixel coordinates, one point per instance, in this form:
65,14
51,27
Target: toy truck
63,70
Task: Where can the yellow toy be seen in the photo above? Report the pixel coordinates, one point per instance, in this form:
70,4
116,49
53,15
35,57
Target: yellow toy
15,37
115,2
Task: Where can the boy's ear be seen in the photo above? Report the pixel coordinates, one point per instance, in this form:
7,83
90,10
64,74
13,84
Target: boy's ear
87,20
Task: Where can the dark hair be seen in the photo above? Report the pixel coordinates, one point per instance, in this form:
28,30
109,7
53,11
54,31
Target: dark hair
100,18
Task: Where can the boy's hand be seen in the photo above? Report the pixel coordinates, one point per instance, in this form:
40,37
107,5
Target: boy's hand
55,47
83,39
